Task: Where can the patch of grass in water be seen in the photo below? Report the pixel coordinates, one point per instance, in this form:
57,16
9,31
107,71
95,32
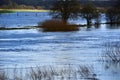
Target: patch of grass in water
57,26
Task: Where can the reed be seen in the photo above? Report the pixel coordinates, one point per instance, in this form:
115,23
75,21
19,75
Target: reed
112,52
67,72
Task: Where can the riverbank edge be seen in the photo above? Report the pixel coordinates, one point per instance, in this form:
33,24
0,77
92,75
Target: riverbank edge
25,10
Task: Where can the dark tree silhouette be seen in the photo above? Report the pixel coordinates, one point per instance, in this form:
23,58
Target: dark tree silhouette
113,14
118,4
89,12
65,9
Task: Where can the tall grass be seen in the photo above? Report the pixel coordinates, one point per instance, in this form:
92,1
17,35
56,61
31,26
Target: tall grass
67,72
3,75
57,25
87,72
111,55
112,52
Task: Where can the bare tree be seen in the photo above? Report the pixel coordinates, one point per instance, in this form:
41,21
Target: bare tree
65,9
89,12
113,14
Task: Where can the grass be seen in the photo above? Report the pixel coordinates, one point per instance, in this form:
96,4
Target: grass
111,53
6,11
57,25
67,72
110,57
24,10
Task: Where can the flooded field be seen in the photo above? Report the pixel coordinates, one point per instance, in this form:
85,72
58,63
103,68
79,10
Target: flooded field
87,47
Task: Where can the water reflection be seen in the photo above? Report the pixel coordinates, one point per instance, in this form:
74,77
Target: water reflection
30,47
113,26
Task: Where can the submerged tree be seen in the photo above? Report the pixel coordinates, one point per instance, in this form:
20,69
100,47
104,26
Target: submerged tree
65,9
113,14
89,12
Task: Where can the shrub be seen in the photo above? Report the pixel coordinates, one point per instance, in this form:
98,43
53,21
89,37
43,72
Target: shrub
57,25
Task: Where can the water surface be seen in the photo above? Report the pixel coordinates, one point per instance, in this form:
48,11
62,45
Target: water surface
26,48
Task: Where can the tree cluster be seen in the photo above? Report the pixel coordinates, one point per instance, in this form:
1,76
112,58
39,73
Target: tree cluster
48,3
89,12
72,9
66,9
113,13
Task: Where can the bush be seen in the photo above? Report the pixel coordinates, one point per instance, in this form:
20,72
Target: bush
57,25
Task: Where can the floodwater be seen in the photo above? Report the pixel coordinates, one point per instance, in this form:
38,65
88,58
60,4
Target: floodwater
26,48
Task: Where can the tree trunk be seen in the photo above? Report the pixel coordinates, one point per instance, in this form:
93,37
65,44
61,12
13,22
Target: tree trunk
88,22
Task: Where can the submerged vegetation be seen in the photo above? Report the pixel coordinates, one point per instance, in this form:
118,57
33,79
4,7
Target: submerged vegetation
65,9
72,9
90,12
57,25
111,55
113,15
112,52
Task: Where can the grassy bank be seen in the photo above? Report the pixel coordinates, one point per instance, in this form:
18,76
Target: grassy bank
5,11
22,10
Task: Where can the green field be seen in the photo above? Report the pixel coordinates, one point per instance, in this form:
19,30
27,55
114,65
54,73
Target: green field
21,10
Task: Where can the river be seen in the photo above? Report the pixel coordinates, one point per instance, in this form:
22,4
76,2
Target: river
26,48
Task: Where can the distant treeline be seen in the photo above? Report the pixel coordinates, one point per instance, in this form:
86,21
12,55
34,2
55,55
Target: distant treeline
47,4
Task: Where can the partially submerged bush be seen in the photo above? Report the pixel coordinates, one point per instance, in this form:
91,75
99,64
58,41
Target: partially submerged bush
57,25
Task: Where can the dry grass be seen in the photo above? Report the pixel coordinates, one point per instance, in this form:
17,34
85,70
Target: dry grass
112,52
67,72
3,75
57,25
110,57
24,10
